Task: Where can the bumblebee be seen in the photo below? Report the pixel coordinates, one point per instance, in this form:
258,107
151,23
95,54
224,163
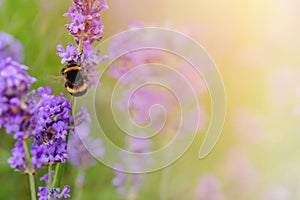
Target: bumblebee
75,79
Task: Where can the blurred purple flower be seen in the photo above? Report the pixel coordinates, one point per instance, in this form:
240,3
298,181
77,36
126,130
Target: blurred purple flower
82,116
121,180
79,155
135,69
10,47
14,85
278,192
139,57
250,126
141,101
209,188
240,172
138,145
117,72
15,82
129,184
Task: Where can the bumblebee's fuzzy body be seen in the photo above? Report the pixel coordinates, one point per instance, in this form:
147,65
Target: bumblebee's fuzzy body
75,83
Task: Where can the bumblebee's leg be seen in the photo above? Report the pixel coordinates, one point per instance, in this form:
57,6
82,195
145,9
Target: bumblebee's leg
66,84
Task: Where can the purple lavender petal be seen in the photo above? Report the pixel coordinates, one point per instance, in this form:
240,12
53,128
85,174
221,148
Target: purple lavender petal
54,193
43,193
67,55
64,193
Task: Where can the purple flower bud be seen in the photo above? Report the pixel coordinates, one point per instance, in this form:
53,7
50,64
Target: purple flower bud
46,178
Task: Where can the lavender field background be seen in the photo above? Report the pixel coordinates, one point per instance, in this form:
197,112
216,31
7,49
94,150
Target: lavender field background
255,45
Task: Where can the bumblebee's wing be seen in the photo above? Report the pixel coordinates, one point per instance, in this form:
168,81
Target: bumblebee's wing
55,78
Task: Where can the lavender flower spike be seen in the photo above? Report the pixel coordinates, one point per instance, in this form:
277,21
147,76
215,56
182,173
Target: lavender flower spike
86,27
86,20
50,124
47,121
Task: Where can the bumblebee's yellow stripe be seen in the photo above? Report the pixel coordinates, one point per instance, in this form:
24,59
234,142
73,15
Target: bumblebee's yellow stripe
72,68
79,89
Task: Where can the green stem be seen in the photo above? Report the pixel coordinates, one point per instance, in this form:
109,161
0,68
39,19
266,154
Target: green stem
80,42
59,170
27,156
131,195
32,186
49,176
163,194
79,184
30,174
164,184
